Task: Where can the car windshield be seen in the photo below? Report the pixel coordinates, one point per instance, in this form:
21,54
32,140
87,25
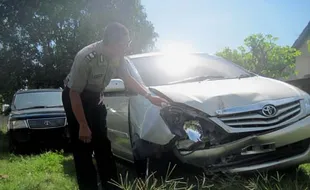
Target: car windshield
170,69
30,100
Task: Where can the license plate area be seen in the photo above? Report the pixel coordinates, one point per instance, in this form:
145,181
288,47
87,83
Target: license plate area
258,149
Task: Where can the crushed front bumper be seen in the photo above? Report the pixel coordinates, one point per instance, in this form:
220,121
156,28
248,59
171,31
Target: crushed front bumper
287,146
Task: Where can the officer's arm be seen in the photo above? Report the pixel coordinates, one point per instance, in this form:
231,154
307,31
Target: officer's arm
77,83
131,82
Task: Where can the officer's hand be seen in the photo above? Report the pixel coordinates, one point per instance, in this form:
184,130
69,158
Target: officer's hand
85,133
158,101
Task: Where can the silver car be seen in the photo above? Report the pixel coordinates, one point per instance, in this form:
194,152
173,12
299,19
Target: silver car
220,118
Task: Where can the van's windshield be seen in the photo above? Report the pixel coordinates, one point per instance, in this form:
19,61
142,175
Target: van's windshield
31,100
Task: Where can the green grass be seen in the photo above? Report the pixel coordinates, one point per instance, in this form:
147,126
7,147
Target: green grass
55,170
50,170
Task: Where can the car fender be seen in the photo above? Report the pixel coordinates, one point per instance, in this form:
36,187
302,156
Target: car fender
146,122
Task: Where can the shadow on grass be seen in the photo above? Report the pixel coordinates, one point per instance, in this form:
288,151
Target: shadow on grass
69,168
4,150
123,168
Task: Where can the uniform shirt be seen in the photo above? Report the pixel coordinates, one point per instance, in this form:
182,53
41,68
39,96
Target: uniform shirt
91,70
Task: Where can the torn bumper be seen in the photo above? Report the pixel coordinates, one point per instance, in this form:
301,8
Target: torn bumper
290,147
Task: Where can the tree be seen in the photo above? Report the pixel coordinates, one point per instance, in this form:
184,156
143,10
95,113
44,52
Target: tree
260,54
39,39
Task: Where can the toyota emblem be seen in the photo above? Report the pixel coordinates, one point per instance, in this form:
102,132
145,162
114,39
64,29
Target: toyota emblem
269,110
47,123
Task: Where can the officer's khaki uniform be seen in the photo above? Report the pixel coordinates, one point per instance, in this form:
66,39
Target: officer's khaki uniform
90,70
89,75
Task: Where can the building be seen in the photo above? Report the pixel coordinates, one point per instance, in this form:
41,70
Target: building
303,61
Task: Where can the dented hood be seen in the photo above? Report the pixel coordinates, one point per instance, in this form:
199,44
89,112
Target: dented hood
211,95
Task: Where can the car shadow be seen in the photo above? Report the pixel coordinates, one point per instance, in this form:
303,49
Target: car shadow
123,168
30,149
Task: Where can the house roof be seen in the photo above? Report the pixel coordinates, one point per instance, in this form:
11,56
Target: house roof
302,37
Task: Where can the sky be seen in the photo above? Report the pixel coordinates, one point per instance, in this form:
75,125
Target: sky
209,26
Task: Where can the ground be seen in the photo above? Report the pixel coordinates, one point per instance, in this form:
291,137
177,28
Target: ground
54,170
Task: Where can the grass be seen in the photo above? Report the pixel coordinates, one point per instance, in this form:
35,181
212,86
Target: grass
55,171
49,170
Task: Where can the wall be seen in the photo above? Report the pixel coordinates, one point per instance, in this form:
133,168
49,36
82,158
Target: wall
303,84
303,61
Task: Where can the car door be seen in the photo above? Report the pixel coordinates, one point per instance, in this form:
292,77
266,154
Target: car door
116,102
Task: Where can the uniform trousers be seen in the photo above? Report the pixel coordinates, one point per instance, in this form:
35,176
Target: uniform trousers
100,144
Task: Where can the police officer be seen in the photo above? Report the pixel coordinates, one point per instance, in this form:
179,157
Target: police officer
93,68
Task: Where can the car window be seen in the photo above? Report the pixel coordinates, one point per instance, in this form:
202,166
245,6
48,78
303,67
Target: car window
165,69
37,99
134,72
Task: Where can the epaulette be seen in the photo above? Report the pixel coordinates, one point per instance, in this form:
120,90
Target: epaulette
91,56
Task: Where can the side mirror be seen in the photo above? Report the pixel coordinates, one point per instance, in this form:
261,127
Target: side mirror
4,107
115,85
7,111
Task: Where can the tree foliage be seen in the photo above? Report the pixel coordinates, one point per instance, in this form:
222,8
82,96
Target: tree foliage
39,39
260,54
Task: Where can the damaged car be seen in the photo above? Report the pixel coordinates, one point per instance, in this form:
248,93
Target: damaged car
220,116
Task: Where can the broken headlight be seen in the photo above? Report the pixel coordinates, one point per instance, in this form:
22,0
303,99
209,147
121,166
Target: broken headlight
193,130
191,127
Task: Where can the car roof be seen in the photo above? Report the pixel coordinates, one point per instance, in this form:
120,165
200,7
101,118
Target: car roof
141,55
39,90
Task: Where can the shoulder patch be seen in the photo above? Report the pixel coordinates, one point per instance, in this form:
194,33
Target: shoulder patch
102,61
91,56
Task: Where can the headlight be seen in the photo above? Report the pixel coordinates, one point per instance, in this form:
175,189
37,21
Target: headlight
192,128
307,104
306,97
19,124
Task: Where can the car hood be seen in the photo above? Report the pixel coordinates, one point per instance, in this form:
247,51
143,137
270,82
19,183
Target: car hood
211,95
38,112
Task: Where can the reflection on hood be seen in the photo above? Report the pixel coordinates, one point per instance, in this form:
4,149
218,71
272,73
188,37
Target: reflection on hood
209,96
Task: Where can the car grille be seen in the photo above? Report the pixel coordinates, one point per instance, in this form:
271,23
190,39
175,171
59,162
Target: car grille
255,118
43,123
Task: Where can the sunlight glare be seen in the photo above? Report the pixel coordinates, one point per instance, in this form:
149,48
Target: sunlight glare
177,58
177,48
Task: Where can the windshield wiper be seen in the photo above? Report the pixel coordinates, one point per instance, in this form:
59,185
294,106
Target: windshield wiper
198,78
57,106
33,107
